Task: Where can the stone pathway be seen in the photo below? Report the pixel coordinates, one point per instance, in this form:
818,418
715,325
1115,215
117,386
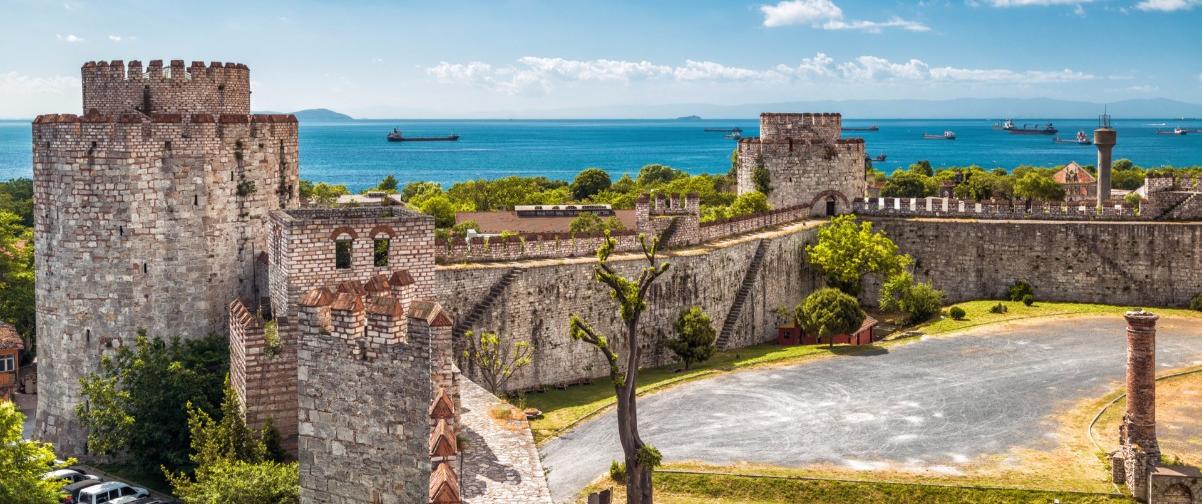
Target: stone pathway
500,461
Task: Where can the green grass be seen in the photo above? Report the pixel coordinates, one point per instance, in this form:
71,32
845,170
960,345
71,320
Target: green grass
563,409
681,488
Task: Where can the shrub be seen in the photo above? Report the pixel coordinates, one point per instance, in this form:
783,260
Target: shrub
1019,289
919,301
1028,299
588,182
827,312
957,313
1196,302
998,308
617,471
695,335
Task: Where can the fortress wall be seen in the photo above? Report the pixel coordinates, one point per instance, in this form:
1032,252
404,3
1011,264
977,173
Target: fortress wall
1124,263
535,308
145,223
805,172
114,88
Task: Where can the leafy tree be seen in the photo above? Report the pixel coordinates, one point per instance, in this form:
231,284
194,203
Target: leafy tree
624,184
16,196
762,178
588,182
829,312
631,296
1134,200
909,185
504,193
1123,165
437,205
17,277
495,360
655,174
136,405
1033,186
388,184
233,463
919,301
695,336
322,193
847,250
922,168
980,185
709,189
415,189
22,462
748,203
460,229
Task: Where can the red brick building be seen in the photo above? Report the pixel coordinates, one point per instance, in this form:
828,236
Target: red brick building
10,359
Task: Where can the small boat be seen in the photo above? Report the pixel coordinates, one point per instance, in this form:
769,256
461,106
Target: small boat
868,128
734,135
947,135
396,136
1081,139
1010,127
880,157
1175,131
724,130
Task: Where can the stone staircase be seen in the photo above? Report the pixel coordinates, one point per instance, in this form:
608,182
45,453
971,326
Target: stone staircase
665,237
466,322
1185,203
736,308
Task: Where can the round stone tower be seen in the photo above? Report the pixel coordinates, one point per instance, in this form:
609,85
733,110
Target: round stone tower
150,211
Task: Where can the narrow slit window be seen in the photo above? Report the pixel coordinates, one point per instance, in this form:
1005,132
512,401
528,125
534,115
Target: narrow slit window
381,251
342,254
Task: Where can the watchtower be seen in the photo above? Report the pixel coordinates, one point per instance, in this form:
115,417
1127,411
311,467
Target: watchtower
802,160
148,217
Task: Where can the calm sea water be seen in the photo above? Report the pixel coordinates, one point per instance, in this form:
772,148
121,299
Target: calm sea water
357,154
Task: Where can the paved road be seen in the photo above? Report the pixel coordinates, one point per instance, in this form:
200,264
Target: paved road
932,404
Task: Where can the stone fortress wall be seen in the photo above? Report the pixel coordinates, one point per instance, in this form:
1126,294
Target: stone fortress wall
113,88
808,162
145,221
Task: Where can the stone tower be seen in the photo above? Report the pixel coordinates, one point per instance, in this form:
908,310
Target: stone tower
804,161
150,210
1104,137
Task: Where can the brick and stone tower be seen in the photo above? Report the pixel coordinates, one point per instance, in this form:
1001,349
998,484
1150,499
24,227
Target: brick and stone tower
806,162
150,210
1138,450
1104,138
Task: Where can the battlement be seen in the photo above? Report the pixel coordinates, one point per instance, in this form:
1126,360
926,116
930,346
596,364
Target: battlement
776,127
671,204
1158,182
371,314
959,208
114,87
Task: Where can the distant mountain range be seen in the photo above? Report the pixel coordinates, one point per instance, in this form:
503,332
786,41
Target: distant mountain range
316,115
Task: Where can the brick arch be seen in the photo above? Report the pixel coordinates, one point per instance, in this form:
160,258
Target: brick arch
341,230
828,193
382,229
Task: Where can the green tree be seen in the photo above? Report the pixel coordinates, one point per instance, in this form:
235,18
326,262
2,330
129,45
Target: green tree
22,463
17,277
762,178
588,182
232,461
1134,200
437,205
631,296
494,360
909,185
415,189
847,250
829,312
388,184
323,193
136,405
695,336
16,196
922,168
1034,186
919,301
748,203
655,174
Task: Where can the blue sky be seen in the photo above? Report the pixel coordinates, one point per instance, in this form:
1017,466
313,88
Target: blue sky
515,57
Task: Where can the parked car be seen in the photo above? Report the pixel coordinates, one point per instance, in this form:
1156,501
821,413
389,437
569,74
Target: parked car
105,492
138,500
69,476
71,492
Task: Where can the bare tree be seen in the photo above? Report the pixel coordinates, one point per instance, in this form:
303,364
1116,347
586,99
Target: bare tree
631,294
496,360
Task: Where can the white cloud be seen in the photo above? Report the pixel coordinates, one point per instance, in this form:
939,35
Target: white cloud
115,38
1036,3
826,15
534,75
69,38
1167,5
26,96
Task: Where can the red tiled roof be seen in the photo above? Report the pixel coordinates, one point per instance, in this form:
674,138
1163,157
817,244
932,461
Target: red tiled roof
9,337
1073,173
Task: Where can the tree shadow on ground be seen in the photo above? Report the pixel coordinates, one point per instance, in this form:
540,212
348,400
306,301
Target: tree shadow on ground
860,351
481,461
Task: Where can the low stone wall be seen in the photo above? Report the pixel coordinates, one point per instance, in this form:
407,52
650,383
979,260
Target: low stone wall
1124,263
724,228
955,207
535,308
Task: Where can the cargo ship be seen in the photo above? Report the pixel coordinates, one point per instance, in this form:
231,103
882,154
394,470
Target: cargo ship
947,135
1081,139
1009,126
396,136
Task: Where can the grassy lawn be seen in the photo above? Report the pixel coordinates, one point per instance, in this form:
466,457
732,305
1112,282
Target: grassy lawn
563,409
1178,408
692,488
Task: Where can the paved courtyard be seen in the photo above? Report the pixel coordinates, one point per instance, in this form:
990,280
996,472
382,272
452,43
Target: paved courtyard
933,404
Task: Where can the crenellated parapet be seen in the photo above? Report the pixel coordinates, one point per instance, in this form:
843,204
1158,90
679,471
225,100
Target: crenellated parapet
675,218
779,127
216,88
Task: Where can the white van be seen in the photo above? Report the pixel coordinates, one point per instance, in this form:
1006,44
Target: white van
105,492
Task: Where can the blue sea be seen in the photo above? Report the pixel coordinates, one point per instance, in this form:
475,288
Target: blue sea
356,153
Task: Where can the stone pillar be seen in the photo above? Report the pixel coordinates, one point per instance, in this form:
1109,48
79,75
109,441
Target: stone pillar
1138,449
1104,138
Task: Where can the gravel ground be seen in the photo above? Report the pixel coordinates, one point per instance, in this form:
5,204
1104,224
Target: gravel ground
933,404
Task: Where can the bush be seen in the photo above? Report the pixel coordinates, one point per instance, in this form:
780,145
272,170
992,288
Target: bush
919,301
957,313
1195,303
695,335
1019,289
617,471
588,182
828,312
998,308
1028,299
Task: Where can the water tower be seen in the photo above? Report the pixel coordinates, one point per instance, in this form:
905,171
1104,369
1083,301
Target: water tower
1104,137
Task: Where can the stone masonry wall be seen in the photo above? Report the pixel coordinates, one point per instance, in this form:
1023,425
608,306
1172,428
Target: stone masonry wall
536,306
145,222
114,88
1124,263
263,373
805,172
